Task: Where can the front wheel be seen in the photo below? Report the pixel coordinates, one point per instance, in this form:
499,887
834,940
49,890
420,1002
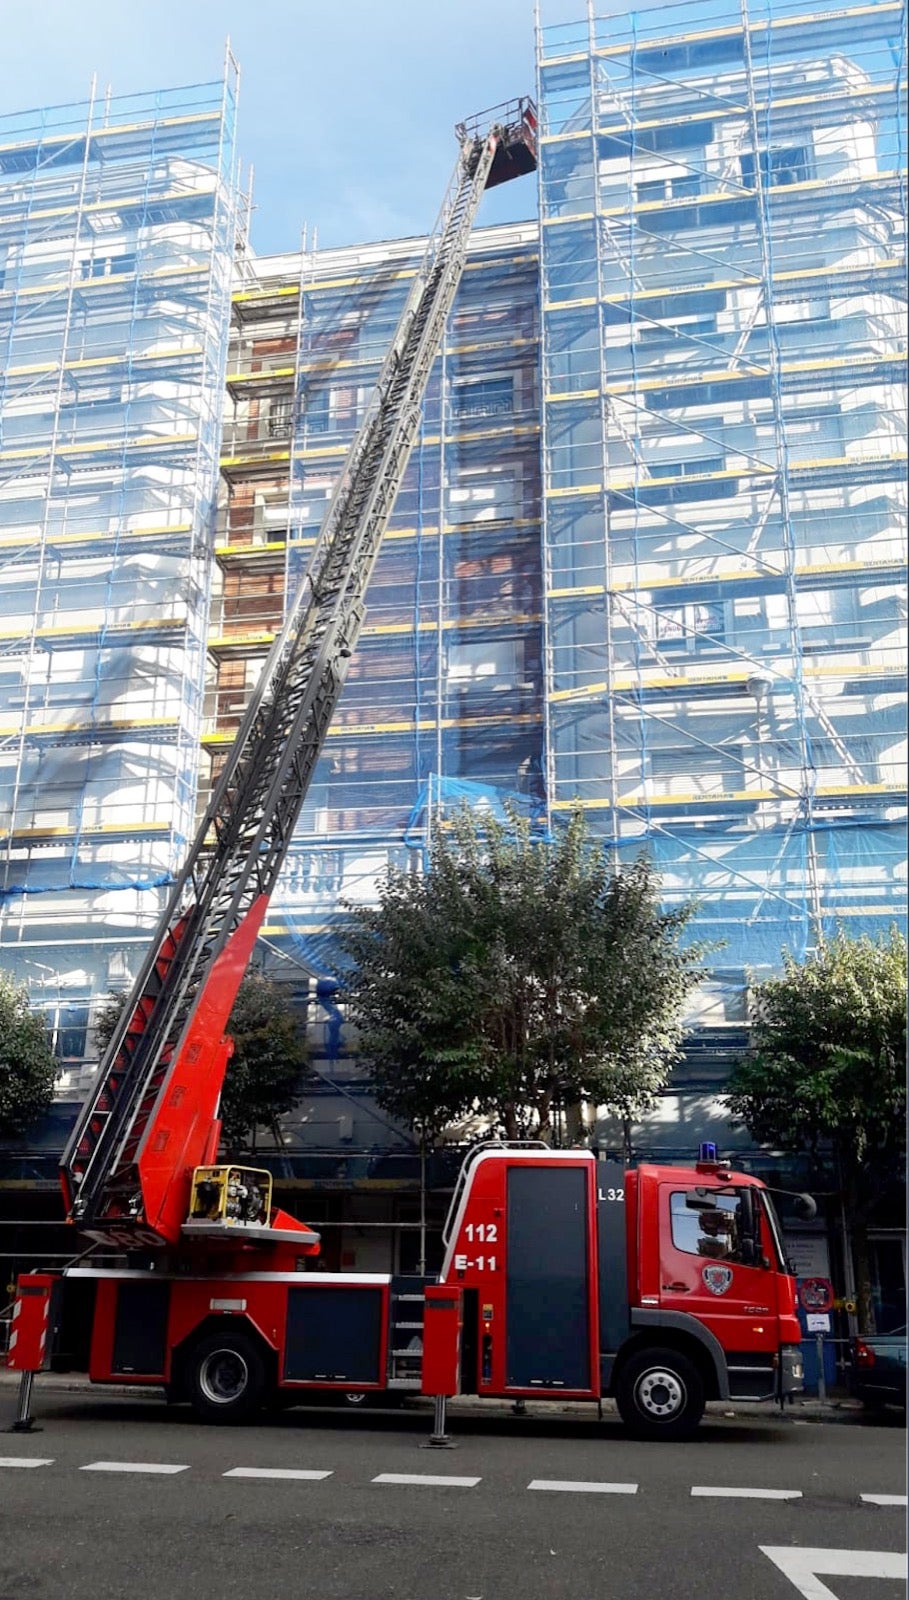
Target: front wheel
660,1395
225,1377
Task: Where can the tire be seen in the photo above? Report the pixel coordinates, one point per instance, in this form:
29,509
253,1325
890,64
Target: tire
225,1377
355,1399
660,1395
365,1399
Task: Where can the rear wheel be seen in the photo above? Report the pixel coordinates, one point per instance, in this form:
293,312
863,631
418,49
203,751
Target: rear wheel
660,1395
363,1399
355,1399
225,1377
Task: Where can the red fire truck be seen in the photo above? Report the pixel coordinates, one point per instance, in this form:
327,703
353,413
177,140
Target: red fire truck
563,1275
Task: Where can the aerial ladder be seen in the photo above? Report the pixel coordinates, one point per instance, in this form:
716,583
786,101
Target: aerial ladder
152,1118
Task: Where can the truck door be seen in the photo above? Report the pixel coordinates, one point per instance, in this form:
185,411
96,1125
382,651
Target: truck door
705,1270
550,1327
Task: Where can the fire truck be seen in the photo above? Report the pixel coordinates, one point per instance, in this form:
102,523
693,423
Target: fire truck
564,1276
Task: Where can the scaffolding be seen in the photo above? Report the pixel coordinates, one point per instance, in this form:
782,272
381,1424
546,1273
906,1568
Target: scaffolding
723,209
443,697
117,234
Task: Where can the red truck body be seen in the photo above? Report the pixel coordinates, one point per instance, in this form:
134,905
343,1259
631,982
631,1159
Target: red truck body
564,1277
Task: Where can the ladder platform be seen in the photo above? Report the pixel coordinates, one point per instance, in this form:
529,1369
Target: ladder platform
516,153
234,1233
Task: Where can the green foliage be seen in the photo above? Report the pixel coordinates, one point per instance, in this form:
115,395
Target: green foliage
516,975
265,1074
27,1064
827,1068
828,1054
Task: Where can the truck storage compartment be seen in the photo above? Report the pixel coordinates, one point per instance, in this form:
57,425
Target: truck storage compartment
140,1327
334,1335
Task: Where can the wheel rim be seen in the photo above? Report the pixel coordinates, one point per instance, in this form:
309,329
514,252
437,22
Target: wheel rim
223,1376
355,1397
660,1393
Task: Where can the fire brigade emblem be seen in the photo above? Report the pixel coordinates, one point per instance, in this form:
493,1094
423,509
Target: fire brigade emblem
717,1279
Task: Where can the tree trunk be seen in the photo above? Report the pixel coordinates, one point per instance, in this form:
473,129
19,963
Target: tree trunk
626,1140
575,1127
544,1112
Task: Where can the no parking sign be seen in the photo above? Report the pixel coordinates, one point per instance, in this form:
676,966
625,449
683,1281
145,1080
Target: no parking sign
816,1294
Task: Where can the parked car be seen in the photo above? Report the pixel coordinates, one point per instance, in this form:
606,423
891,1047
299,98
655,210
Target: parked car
879,1368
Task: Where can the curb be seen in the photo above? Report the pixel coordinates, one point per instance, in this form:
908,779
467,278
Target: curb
835,1407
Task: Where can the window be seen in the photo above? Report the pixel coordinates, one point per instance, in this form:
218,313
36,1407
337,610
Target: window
316,411
686,770
481,497
687,469
280,416
66,1031
485,397
786,165
106,266
653,333
689,625
674,186
714,1232
495,660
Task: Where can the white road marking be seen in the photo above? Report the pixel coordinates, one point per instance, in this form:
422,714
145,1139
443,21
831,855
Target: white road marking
566,1486
132,1466
884,1499
275,1472
26,1461
747,1494
802,1567
426,1479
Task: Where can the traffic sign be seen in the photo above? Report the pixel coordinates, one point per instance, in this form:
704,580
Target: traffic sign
816,1294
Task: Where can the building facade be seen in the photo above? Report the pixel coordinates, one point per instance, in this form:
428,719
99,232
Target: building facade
649,557
722,210
118,219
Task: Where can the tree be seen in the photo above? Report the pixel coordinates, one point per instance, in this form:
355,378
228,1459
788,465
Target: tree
517,976
265,1074
28,1066
827,1070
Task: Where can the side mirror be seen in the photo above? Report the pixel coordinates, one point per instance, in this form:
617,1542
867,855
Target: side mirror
806,1207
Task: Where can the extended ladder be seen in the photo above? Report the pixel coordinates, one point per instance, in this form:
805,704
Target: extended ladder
149,1119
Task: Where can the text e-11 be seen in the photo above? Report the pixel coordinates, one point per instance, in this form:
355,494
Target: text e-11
478,1264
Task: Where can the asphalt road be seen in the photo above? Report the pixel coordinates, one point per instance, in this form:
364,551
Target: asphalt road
316,1505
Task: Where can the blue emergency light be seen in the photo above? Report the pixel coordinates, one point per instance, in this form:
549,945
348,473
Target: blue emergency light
707,1151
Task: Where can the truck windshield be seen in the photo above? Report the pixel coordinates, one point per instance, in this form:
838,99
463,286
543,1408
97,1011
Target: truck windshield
775,1229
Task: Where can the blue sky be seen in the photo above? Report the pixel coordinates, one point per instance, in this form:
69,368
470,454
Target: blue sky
346,106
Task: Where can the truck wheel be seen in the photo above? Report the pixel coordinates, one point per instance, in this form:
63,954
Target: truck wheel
225,1377
660,1395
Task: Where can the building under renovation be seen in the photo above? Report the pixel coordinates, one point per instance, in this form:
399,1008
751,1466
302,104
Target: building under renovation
648,558
724,459
118,220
